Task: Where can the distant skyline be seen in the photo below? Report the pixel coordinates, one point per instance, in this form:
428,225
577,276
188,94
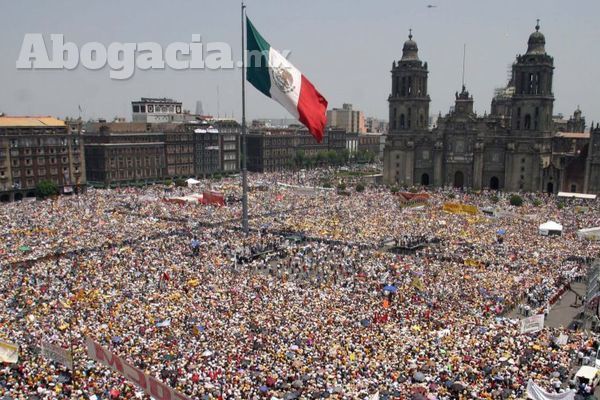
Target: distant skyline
345,48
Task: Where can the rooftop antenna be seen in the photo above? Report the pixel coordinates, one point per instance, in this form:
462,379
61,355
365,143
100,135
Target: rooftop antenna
463,69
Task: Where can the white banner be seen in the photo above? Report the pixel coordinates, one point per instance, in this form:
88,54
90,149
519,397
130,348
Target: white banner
147,383
535,392
532,324
57,354
9,353
562,339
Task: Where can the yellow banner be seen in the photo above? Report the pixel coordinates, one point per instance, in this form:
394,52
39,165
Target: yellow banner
418,283
457,208
471,263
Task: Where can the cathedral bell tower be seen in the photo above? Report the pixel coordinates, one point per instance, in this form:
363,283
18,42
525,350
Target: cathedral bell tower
409,101
409,116
533,99
529,164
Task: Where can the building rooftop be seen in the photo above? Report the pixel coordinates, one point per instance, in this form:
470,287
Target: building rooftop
22,121
573,135
155,100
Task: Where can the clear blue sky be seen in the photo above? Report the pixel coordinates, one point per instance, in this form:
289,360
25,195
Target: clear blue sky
345,47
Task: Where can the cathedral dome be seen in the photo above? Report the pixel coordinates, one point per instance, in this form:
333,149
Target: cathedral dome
537,42
410,51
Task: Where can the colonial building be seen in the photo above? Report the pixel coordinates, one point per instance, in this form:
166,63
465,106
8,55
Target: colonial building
35,149
274,149
519,146
118,153
126,153
372,143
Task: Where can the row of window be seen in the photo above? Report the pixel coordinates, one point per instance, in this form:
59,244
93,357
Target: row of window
134,174
156,108
30,183
179,149
405,121
408,86
533,83
38,172
42,141
41,161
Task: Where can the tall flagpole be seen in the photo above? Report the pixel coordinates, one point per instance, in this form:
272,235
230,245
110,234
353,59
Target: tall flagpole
244,142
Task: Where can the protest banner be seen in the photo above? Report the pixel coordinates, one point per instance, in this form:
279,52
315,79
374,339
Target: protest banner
9,353
535,392
57,354
149,384
532,324
457,208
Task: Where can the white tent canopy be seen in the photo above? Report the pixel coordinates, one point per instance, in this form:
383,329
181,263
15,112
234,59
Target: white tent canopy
577,195
192,182
550,228
589,233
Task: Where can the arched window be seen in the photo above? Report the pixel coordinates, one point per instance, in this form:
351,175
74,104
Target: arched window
494,183
530,84
421,121
425,180
459,179
394,118
403,88
519,118
401,121
527,124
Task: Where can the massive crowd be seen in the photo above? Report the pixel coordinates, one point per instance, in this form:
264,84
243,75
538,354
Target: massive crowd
272,315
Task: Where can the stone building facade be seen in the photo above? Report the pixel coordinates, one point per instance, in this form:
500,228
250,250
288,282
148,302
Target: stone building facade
274,149
124,153
35,149
518,146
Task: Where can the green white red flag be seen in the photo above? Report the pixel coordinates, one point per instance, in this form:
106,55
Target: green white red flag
272,74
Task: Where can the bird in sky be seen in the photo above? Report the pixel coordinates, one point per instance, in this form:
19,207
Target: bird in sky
431,6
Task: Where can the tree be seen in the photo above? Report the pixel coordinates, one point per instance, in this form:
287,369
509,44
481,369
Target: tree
46,189
299,159
360,187
344,156
516,200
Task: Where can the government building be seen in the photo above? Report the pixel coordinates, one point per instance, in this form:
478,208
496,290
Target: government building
519,146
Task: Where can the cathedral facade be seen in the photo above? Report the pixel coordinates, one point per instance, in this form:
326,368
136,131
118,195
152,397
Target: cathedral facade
519,146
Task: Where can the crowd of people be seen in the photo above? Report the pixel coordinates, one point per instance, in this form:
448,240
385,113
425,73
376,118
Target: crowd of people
183,294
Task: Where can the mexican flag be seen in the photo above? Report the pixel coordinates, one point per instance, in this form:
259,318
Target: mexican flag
268,71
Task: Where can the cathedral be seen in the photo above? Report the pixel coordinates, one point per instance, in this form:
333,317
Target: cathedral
519,146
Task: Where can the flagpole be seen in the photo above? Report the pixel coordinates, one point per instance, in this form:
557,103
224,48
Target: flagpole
244,142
